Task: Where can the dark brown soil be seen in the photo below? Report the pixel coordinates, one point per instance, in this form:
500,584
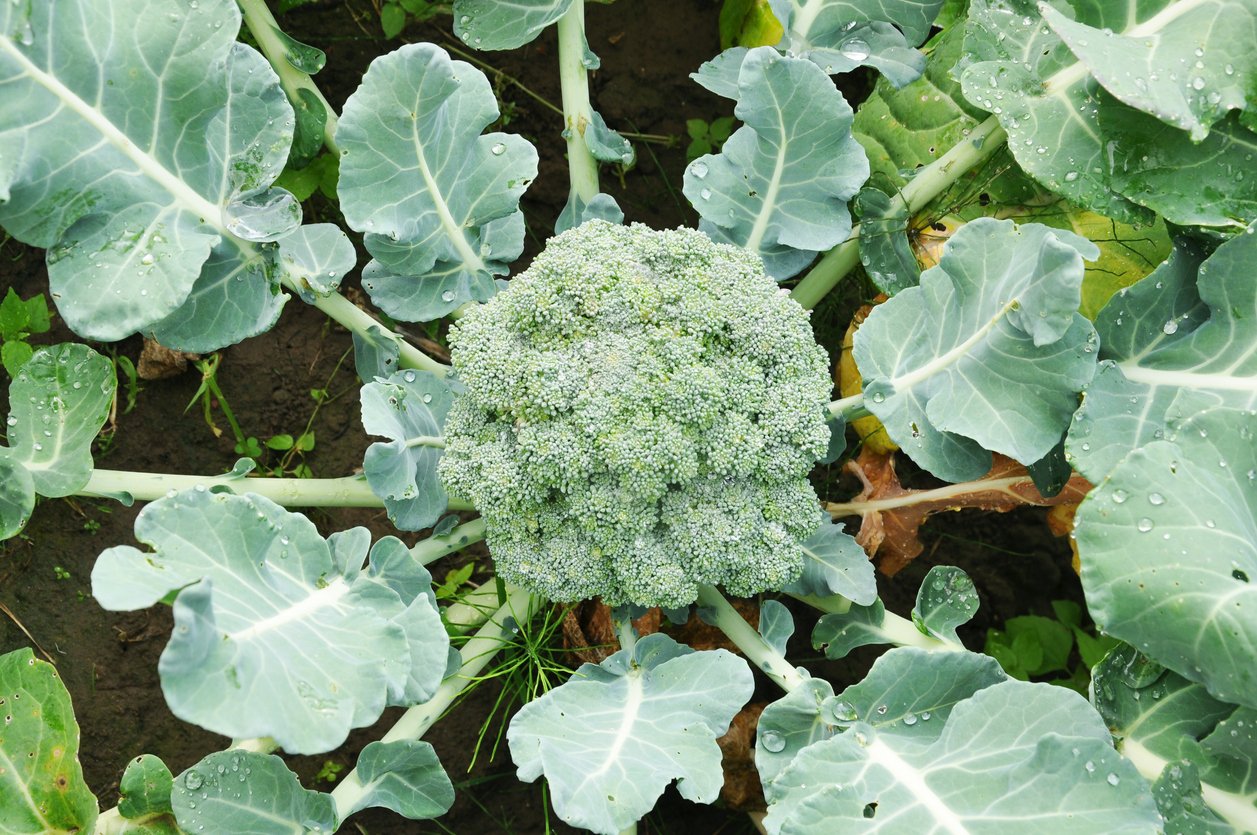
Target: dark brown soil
109,661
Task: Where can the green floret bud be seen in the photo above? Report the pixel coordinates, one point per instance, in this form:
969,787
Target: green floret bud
641,412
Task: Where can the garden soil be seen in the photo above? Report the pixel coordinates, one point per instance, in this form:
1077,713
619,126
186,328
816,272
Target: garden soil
109,660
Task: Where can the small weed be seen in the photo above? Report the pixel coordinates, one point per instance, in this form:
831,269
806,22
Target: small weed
60,573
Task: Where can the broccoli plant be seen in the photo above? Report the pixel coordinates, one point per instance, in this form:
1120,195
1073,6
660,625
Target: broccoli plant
635,416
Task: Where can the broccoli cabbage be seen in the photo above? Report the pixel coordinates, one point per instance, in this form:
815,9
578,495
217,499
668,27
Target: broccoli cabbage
641,411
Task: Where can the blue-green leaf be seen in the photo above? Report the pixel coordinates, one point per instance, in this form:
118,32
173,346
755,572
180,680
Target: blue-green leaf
494,24
987,353
1168,544
781,184
615,735
315,258
404,776
834,563
132,185
437,200
253,584
245,792
409,409
946,599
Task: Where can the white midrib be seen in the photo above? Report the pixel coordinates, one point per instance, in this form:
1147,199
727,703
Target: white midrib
453,230
323,598
770,197
1001,485
208,212
1186,379
632,706
11,767
1236,809
909,380
910,777
1074,73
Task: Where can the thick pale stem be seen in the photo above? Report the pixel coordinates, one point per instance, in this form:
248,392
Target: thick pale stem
849,408
434,547
758,651
928,183
625,633
346,313
266,32
1236,809
520,606
578,114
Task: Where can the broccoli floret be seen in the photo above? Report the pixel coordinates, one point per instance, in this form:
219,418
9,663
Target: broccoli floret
641,412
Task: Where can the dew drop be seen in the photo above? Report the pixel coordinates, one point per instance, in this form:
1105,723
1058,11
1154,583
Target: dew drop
1156,499
409,376
447,296
854,49
773,742
705,194
1112,779
910,719
193,780
699,169
844,712
498,149
1120,495
1169,327
427,398
1144,525
1198,83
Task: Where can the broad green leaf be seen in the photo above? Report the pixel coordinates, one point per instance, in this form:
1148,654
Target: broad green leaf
576,211
17,494
438,201
132,185
908,691
41,782
145,788
834,563
884,250
14,355
841,35
988,353
245,792
504,24
1168,544
58,402
404,776
781,184
14,317
748,23
946,599
1141,65
409,409
1177,341
277,633
1012,754
1018,69
615,735
315,258
375,353
1182,737
838,634
1210,183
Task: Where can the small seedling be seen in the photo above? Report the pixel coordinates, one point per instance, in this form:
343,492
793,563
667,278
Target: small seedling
19,320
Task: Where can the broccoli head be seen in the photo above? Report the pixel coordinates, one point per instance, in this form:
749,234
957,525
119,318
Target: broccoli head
641,411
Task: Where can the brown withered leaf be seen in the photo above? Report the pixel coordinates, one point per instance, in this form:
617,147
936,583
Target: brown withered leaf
742,790
588,633
891,515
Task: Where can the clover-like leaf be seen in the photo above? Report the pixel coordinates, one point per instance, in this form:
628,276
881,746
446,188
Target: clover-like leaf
41,782
438,201
243,791
1168,544
781,184
1010,752
409,408
253,584
132,186
987,353
611,739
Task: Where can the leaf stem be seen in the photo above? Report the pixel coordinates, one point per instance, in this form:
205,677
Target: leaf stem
350,491
519,607
758,651
928,183
267,33
849,408
346,313
577,111
895,629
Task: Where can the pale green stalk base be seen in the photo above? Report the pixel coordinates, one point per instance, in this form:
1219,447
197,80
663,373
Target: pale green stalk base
434,547
346,313
520,606
265,31
897,630
928,183
577,111
762,656
848,408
